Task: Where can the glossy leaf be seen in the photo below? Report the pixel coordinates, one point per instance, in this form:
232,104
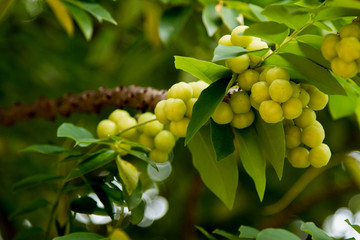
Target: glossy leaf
278,234
211,19
312,40
98,11
223,52
342,106
251,157
331,13
62,15
76,133
222,139
46,149
85,205
82,19
225,234
272,141
207,71
344,4
81,236
35,180
248,232
229,17
314,231
172,22
30,207
206,105
128,174
306,71
102,195
270,31
93,162
221,177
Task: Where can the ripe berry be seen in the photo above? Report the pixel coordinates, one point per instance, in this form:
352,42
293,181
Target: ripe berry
299,157
319,156
105,128
223,114
292,136
243,120
175,109
292,108
180,90
179,128
238,64
271,111
240,102
247,79
313,135
118,114
328,46
164,141
344,69
307,118
225,40
276,73
160,112
280,90
260,92
159,156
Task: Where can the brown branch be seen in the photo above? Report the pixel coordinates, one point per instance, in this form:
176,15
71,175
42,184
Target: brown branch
142,98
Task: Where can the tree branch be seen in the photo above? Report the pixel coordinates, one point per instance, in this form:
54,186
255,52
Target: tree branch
143,98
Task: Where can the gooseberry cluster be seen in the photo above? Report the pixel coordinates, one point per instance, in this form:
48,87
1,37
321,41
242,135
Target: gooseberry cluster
343,50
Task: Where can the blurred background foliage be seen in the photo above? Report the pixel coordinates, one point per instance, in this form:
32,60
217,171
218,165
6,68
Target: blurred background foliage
38,59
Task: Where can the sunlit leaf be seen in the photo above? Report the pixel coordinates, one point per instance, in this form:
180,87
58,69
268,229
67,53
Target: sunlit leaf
314,231
271,31
229,17
312,40
223,52
129,174
257,11
62,15
211,19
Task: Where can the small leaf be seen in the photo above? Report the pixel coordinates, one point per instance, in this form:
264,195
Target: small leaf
132,144
76,133
62,15
85,205
206,234
82,19
251,157
35,180
97,11
270,31
221,177
135,198
272,141
143,156
81,236
207,71
100,192
355,227
137,213
211,19
229,17
206,105
225,234
172,22
248,232
128,174
30,207
223,52
314,231
222,139
278,234
46,149
93,162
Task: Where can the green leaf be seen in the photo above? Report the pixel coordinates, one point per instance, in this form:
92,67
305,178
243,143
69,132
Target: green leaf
206,234
143,156
132,144
81,236
248,232
222,138
330,13
46,149
30,207
137,213
30,233
223,52
308,3
344,4
135,198
314,231
93,162
278,234
312,40
76,133
251,157
206,105
322,25
272,141
128,174
290,17
270,31
306,71
229,17
114,193
172,22
225,234
221,177
100,192
342,106
97,11
257,11
82,19
207,71
35,180
355,227
85,205
211,19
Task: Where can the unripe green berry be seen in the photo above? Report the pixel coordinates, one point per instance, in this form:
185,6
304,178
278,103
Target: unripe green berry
271,111
253,46
243,120
247,79
304,97
105,128
118,114
328,46
164,141
151,128
223,113
280,90
180,90
299,157
179,128
292,136
254,103
318,99
350,30
262,76
344,69
189,106
238,39
198,87
126,123
319,156
238,64
160,112
175,109
313,135
276,73
296,89
348,49
159,156
240,102
307,118
146,140
260,92
225,40
292,108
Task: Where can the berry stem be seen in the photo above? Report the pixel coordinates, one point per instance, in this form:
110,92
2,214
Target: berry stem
136,126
